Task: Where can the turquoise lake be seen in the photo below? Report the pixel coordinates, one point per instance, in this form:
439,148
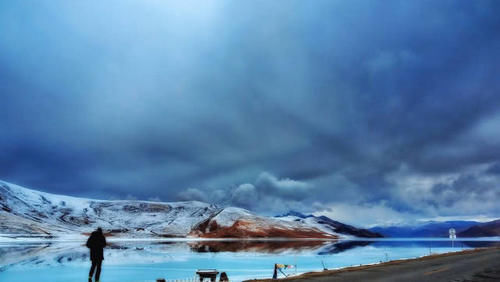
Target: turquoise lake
147,261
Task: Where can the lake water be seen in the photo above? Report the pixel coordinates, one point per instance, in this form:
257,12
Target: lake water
146,261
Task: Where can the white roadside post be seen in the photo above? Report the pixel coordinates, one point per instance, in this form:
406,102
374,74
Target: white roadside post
453,236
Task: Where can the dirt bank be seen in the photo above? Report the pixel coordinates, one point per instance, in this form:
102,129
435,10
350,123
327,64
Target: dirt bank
470,265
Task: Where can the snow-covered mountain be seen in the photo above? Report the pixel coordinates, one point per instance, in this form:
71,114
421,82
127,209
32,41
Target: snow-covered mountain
328,225
236,222
29,211
25,211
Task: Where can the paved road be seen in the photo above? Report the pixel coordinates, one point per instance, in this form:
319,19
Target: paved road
483,265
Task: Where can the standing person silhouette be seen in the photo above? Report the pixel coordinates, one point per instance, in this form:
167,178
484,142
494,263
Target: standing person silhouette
96,244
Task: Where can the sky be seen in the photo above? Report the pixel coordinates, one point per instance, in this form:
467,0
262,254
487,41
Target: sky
370,112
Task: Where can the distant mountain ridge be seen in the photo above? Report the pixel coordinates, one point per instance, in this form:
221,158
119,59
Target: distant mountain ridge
25,211
486,229
426,229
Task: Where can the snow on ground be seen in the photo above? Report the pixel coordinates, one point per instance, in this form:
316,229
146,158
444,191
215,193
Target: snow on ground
26,211
313,222
41,212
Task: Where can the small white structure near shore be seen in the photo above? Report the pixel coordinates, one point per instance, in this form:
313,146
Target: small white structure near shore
453,236
453,233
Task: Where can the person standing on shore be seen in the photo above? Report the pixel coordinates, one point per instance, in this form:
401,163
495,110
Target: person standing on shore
96,244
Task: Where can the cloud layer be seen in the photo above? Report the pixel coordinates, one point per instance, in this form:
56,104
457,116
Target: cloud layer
387,105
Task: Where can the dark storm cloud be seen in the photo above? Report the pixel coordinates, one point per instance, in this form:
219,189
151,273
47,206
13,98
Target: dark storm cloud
267,193
465,186
190,100
470,193
494,168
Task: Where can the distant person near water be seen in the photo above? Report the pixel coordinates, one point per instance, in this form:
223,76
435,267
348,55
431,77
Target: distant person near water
96,244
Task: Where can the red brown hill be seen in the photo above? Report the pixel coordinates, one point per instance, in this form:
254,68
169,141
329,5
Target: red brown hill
487,229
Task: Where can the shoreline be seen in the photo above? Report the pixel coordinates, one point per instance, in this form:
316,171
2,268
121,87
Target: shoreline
9,238
76,238
444,267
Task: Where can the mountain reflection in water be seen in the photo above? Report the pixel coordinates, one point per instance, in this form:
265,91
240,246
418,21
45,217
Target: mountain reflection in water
272,247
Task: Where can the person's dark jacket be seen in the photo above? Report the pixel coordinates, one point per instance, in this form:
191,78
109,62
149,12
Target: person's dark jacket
96,243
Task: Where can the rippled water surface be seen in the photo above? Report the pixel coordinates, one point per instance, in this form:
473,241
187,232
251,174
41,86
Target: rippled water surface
146,261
